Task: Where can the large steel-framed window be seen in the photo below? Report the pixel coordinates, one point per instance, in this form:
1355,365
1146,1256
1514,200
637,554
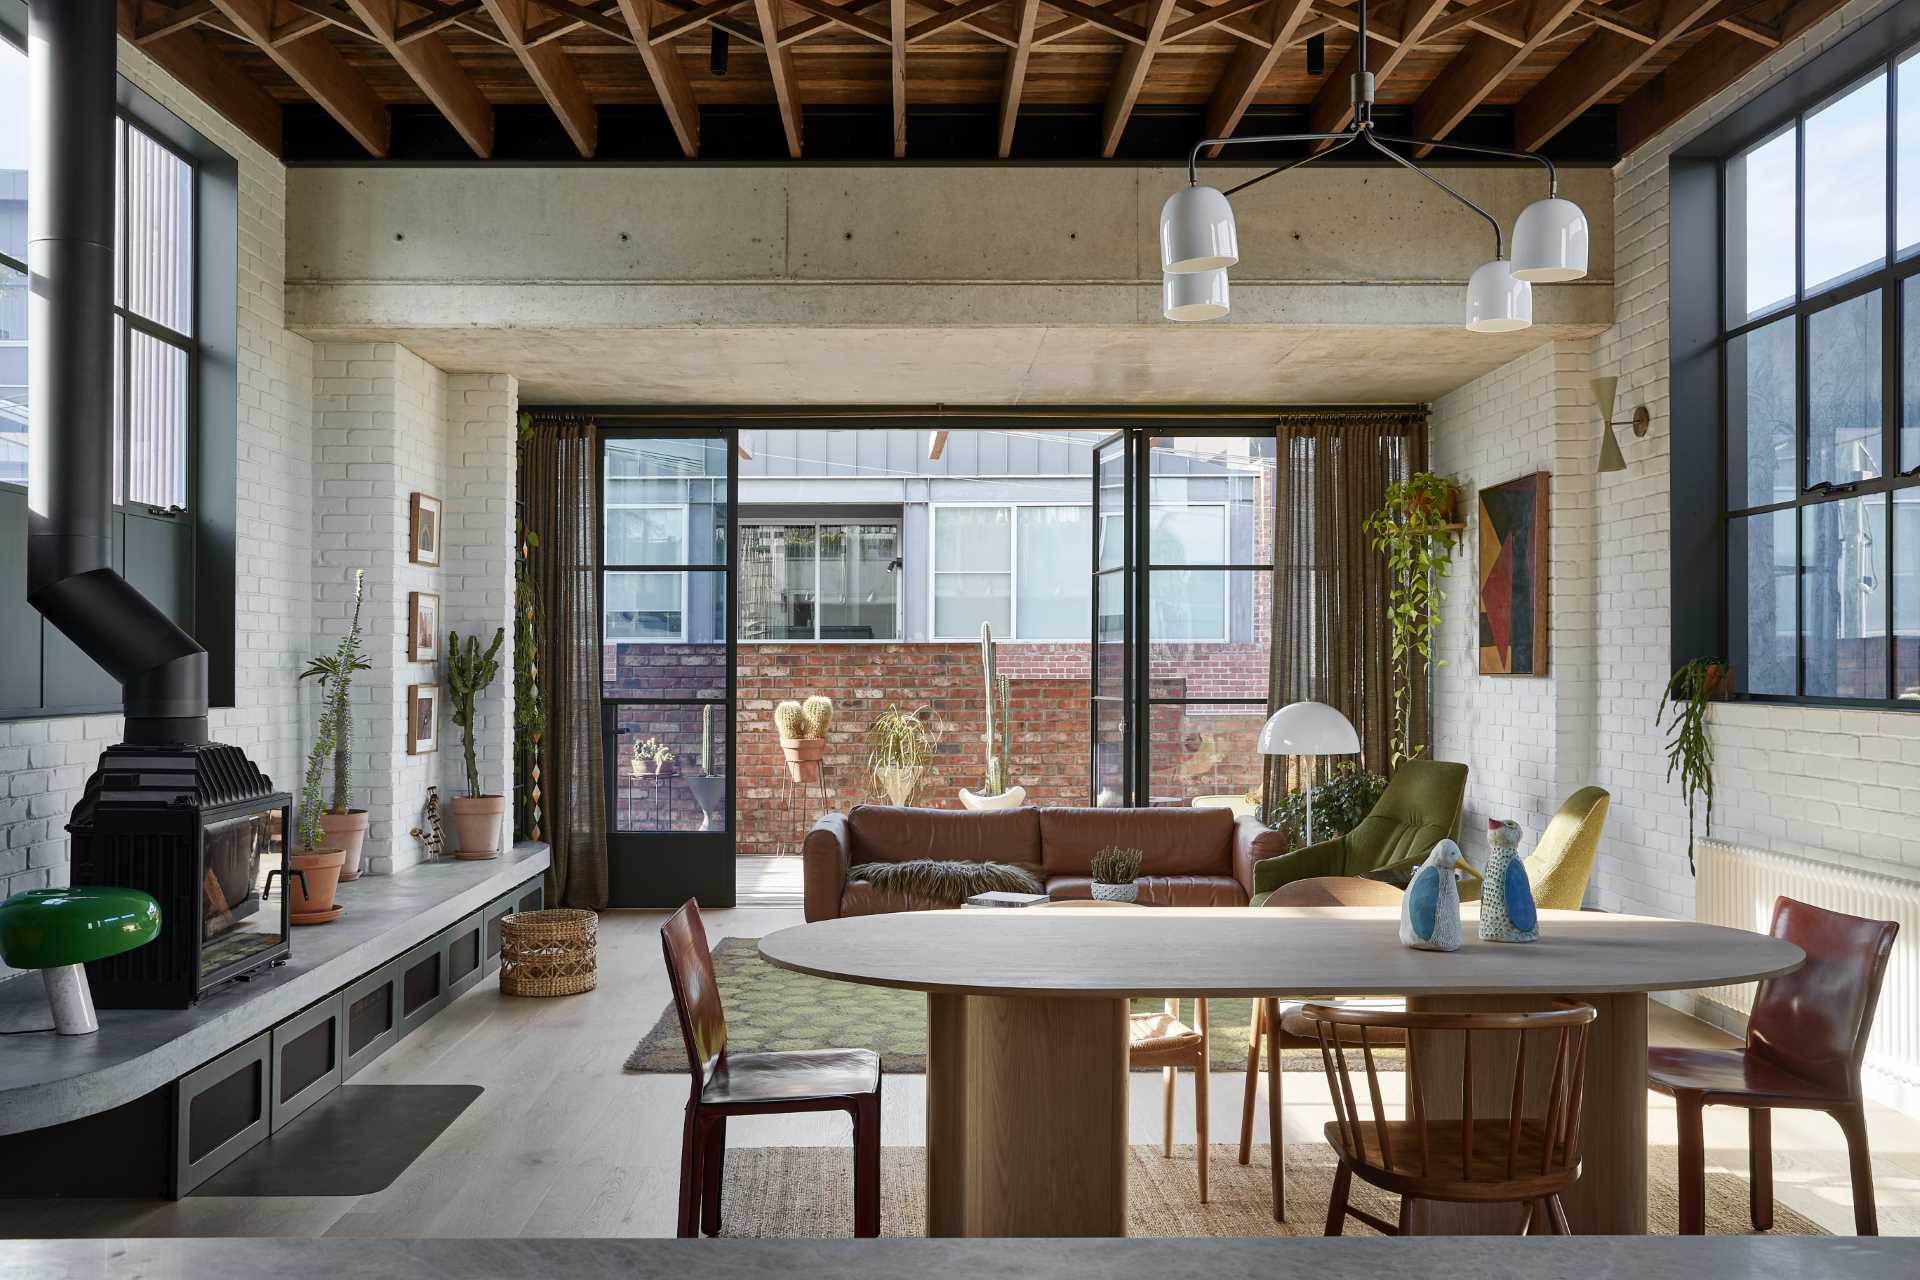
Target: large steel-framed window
1819,354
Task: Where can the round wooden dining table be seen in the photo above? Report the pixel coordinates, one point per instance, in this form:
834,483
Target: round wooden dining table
1027,1033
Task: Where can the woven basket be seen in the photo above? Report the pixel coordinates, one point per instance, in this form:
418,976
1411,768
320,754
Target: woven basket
548,953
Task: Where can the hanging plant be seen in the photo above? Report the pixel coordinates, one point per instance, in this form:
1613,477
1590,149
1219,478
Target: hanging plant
1689,750
529,705
1415,529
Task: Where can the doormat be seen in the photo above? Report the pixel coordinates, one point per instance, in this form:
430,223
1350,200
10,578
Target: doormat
352,1143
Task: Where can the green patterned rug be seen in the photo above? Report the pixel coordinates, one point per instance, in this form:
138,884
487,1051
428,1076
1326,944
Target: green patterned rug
769,1008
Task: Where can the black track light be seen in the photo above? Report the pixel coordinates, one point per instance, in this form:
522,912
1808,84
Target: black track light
717,52
1316,55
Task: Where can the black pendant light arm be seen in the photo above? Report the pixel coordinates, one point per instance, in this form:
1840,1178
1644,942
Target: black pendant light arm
1499,241
1503,153
1343,137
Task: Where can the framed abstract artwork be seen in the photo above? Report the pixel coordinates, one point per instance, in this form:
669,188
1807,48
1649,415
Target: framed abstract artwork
423,529
423,626
423,718
1513,577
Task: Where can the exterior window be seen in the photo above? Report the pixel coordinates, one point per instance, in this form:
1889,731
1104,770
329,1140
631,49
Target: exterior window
1024,569
644,608
1822,420
819,580
13,266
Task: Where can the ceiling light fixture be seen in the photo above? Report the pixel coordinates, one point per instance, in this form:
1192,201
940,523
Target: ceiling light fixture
1197,232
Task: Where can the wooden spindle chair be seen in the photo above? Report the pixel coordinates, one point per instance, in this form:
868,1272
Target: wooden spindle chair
1528,1156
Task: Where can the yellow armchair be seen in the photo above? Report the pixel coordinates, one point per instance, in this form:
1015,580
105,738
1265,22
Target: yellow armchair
1561,863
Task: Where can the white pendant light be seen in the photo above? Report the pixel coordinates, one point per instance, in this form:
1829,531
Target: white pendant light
1496,301
1550,242
1194,295
1197,232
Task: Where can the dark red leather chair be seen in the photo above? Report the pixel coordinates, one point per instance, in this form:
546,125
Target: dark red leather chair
753,1084
1805,1039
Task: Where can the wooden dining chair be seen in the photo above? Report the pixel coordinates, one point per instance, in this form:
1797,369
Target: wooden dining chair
1163,1040
1528,1156
750,1084
1806,1036
1282,1026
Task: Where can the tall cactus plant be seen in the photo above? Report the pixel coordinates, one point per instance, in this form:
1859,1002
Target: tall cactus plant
998,689
469,672
335,672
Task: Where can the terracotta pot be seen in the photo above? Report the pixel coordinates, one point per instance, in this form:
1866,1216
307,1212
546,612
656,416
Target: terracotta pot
311,892
346,832
1716,682
803,757
1441,509
641,768
476,822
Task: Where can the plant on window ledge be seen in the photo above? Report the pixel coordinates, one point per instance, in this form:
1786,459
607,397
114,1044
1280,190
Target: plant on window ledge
1689,749
996,793
470,671
1415,529
903,743
344,827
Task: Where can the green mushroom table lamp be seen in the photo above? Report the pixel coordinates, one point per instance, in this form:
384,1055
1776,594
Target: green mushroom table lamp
58,930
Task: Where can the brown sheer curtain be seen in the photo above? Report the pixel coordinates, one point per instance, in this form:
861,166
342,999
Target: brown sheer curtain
557,471
1330,638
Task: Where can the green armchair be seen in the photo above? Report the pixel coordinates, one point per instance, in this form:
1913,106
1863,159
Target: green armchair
1420,807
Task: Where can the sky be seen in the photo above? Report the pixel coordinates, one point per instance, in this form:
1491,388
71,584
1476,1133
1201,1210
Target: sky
13,107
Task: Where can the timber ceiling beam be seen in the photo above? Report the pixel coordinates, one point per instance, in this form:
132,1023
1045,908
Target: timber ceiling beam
1706,68
1135,62
551,73
1470,16
1216,16
786,89
1013,83
880,33
1333,105
1481,67
432,66
437,18
190,58
897,66
1250,66
322,74
669,77
1593,70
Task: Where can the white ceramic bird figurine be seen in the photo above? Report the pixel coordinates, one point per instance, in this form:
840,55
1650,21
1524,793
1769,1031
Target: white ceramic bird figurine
1430,911
1507,912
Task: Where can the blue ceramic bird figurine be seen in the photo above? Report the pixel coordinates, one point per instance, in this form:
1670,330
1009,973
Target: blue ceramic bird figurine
1507,912
1430,911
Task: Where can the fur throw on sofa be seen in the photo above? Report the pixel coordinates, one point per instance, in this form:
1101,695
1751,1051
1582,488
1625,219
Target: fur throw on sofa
949,882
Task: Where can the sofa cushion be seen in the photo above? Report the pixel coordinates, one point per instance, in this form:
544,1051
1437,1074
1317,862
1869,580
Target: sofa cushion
1162,891
886,833
1176,841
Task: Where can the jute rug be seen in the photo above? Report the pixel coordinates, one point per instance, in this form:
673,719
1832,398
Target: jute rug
807,1193
770,1008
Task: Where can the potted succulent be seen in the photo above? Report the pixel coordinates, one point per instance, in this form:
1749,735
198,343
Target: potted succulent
1116,874
476,815
803,735
642,760
663,761
995,793
1689,750
345,827
709,788
902,746
1416,530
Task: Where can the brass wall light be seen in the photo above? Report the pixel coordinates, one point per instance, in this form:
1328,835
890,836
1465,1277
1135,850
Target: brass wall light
1611,459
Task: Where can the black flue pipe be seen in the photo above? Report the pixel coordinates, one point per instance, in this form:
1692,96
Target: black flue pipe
70,216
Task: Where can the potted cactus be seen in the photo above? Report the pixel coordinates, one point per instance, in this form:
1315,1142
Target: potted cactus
708,786
476,815
995,793
343,827
803,735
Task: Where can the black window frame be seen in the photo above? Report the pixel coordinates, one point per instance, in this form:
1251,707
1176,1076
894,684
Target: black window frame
1708,603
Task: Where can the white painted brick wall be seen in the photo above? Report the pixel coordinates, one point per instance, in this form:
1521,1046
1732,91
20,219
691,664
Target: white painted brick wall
1837,786
44,762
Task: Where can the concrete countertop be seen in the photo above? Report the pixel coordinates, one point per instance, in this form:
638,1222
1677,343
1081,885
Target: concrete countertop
1360,1258
49,1079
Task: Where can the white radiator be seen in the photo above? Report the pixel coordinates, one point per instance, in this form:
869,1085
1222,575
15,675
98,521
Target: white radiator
1737,886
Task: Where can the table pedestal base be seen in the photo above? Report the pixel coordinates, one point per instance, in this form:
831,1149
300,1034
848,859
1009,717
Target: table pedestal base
1026,1116
1611,1196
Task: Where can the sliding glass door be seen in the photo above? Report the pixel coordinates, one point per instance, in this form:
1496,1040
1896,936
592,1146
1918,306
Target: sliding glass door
667,676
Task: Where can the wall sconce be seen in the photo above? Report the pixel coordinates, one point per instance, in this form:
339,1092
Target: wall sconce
1611,459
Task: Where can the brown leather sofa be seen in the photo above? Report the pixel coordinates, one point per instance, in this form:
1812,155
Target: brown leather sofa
1194,857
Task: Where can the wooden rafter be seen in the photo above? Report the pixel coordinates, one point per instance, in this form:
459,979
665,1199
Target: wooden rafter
786,91
1469,16
551,73
691,20
897,28
432,66
1250,66
953,16
1135,62
1105,19
1217,16
1014,82
1716,61
669,77
438,17
1601,16
156,22
1480,67
813,24
1333,105
188,57
1592,71
878,32
322,74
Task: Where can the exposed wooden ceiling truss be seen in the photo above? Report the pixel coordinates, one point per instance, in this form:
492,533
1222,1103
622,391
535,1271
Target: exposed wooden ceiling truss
1548,61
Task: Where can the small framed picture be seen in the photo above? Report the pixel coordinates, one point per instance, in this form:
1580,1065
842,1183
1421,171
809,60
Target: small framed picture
423,718
423,623
423,537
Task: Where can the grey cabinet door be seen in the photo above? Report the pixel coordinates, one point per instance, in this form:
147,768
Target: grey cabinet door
220,1111
423,983
464,949
308,1058
370,1016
